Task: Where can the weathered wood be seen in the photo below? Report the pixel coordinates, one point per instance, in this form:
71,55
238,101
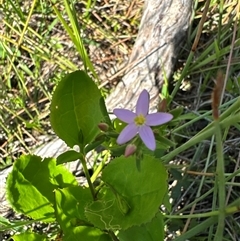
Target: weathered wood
161,34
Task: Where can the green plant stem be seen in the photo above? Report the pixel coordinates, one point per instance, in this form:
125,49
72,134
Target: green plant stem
203,135
85,169
208,193
15,225
202,181
22,34
197,229
203,226
113,236
99,168
183,74
228,211
220,22
230,109
75,35
235,107
220,182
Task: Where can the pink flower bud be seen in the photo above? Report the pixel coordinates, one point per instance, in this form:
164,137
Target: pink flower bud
103,127
130,149
162,107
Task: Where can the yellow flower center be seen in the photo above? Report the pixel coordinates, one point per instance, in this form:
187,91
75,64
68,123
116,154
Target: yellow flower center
140,120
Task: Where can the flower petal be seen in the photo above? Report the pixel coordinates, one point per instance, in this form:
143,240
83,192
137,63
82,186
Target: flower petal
124,115
158,118
146,134
127,133
142,106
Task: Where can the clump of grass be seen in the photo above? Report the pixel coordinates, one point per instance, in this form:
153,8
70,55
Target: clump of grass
214,44
39,42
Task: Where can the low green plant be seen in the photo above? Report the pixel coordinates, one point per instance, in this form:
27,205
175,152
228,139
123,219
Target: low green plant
121,199
203,165
124,203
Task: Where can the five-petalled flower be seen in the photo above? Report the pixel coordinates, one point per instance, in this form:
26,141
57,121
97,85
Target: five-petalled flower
140,122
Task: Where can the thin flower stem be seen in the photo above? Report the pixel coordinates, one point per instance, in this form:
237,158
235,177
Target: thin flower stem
99,168
220,182
229,110
228,211
209,192
113,236
11,225
201,184
85,169
203,135
203,226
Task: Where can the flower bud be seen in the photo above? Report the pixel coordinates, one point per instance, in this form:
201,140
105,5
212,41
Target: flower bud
103,127
162,107
130,149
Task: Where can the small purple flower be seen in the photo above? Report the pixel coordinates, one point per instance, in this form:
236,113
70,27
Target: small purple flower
140,122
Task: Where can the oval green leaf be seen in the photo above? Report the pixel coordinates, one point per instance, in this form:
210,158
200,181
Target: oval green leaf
142,189
31,185
75,109
152,231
